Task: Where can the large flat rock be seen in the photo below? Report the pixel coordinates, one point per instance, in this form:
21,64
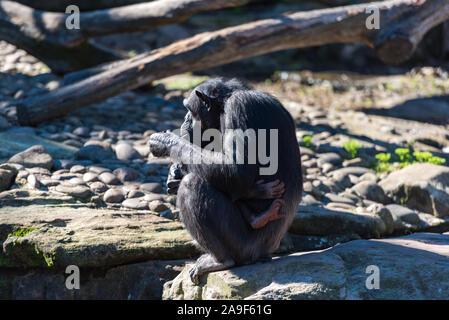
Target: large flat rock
42,230
410,267
12,143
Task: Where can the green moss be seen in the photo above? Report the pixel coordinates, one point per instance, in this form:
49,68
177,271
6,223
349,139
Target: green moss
21,232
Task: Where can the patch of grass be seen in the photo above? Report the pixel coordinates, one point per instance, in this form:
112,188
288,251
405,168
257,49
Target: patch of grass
352,147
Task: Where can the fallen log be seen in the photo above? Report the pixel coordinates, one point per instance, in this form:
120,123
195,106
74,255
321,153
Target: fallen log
45,36
399,35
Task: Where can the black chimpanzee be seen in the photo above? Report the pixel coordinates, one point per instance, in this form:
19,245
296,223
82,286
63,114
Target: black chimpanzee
216,195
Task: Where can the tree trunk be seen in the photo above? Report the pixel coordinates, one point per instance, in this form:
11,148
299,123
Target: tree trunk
83,5
396,40
45,36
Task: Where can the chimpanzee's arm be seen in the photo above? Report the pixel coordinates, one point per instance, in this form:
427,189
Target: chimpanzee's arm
212,167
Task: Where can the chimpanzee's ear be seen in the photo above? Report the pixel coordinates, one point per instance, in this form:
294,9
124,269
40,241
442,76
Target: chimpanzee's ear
207,101
201,96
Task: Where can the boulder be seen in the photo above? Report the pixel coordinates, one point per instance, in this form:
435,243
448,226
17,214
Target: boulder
422,186
404,264
35,156
44,230
128,282
371,191
12,142
317,220
8,174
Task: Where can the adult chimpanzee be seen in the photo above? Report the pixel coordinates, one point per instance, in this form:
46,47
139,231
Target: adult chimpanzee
211,196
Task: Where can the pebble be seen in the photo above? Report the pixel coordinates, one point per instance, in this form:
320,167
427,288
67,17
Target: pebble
90,177
98,187
126,152
33,182
153,196
153,187
157,206
81,192
126,174
135,194
135,203
78,169
109,178
114,196
77,181
94,153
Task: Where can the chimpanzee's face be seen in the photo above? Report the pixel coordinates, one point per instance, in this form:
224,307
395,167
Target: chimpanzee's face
205,110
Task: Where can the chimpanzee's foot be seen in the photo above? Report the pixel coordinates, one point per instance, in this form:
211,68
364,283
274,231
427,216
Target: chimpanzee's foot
270,215
207,263
270,190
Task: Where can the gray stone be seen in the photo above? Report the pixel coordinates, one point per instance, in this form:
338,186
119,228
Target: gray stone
126,174
33,182
98,187
405,264
108,178
8,174
81,131
153,196
422,186
113,196
12,143
94,153
68,232
90,177
371,191
331,157
126,152
316,220
336,198
157,206
78,169
80,192
403,213
35,156
153,187
136,203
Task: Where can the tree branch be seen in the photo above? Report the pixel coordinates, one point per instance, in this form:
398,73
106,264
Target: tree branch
403,24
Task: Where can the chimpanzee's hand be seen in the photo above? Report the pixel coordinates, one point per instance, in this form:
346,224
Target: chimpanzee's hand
161,143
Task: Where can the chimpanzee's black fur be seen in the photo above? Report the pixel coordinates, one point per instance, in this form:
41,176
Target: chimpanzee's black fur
209,195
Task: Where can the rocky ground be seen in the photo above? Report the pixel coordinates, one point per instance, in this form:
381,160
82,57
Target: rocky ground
83,190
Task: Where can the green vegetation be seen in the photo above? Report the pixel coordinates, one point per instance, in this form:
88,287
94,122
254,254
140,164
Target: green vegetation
382,164
21,232
307,141
405,158
352,147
